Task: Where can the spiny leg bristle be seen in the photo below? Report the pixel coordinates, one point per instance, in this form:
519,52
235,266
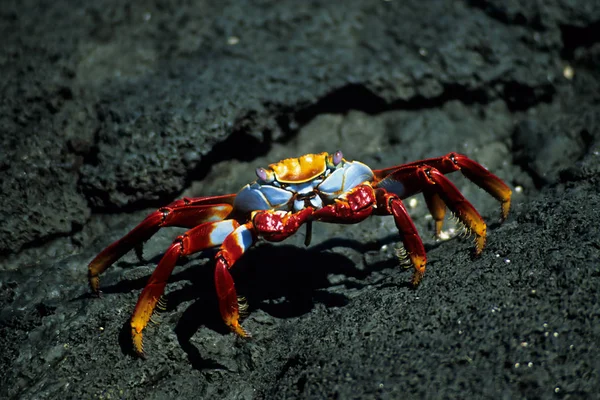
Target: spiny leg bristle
403,257
155,319
138,344
467,232
462,229
162,303
242,307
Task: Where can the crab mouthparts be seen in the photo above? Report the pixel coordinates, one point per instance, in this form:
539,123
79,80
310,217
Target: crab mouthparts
307,200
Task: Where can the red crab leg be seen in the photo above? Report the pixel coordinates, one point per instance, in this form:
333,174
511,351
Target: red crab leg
232,249
461,207
206,235
390,204
446,164
185,213
360,202
438,189
432,180
273,226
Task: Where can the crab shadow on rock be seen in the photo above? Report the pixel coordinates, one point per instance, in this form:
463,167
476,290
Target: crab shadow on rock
285,281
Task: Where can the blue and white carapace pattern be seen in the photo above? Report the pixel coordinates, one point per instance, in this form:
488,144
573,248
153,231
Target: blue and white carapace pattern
317,192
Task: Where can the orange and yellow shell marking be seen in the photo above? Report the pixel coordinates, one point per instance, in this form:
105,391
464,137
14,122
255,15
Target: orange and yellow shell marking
300,169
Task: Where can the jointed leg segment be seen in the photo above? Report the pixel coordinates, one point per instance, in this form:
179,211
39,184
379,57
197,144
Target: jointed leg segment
202,237
185,213
449,163
232,249
428,176
456,202
273,226
390,204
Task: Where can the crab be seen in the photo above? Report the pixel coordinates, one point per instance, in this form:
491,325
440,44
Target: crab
314,187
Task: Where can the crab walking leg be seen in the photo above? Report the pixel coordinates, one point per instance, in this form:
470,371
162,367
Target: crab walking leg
209,234
390,204
489,182
483,178
185,213
360,203
451,162
437,208
461,207
232,249
273,226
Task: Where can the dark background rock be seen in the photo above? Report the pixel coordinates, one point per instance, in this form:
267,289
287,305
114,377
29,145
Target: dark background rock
110,110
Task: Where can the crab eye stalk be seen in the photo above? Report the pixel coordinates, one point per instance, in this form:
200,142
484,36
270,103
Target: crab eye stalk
337,157
264,175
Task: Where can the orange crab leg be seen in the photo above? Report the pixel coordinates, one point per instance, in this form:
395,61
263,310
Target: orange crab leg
437,208
185,213
206,235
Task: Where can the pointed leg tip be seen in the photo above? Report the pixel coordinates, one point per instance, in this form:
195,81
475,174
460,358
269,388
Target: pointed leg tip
416,280
479,245
505,208
419,265
241,332
95,293
94,284
137,340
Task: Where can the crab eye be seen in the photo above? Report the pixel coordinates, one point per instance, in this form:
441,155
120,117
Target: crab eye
337,157
264,175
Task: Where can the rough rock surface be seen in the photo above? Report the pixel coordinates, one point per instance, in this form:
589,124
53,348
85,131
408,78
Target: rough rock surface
109,110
